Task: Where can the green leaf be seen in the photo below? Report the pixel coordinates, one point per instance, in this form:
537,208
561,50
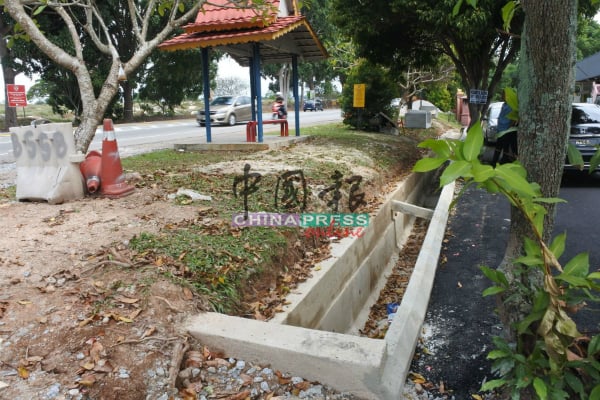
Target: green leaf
578,265
574,281
428,164
595,161
594,275
508,12
512,99
494,275
540,388
530,261
473,142
557,247
524,324
455,170
440,147
38,10
574,156
456,8
492,290
574,382
594,346
517,182
493,384
482,172
495,354
595,393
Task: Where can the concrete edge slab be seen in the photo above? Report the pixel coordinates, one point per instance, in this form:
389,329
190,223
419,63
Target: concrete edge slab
350,363
405,329
271,143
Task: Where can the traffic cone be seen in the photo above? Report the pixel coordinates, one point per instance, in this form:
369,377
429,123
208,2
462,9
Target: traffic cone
90,169
111,175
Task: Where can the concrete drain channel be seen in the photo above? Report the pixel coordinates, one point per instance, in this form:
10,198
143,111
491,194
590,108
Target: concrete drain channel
316,336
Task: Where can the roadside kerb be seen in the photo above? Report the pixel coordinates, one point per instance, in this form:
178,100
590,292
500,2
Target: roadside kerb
369,368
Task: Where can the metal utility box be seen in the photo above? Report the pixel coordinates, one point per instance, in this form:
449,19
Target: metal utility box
417,119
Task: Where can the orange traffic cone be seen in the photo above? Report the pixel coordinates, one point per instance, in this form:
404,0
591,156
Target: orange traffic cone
111,175
90,169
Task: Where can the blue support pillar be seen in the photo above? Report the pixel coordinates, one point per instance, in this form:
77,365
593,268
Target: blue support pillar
295,92
257,91
252,89
206,88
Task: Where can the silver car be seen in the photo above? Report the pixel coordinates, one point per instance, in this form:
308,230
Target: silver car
489,123
227,110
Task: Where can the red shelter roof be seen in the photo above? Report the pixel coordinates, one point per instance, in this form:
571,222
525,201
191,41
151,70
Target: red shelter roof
235,30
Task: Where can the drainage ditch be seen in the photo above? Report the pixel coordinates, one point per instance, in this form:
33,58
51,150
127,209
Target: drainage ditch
317,335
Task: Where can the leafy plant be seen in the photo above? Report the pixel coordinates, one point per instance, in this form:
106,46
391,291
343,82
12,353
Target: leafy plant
551,357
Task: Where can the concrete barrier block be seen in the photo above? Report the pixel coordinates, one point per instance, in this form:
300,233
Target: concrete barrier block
44,156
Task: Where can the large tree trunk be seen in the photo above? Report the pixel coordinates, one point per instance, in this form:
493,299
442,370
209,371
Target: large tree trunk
10,113
546,79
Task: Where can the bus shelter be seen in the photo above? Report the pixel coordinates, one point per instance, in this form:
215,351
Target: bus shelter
281,35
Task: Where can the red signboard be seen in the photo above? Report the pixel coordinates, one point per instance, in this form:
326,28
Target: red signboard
16,95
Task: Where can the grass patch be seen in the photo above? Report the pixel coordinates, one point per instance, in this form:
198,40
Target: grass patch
215,258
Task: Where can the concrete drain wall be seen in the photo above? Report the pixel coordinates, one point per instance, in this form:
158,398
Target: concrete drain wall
312,337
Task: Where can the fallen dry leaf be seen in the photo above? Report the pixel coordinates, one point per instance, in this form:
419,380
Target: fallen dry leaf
239,396
187,294
96,351
282,379
87,380
126,300
88,365
103,366
304,385
148,332
23,372
417,378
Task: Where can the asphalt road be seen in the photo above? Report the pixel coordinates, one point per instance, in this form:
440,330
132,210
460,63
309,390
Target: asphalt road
133,138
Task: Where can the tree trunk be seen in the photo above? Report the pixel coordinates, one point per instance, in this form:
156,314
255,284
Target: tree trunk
546,77
284,82
10,113
127,101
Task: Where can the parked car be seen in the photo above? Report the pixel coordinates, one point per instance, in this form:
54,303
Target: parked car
585,132
313,105
227,110
489,123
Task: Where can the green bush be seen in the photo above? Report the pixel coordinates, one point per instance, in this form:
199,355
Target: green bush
380,90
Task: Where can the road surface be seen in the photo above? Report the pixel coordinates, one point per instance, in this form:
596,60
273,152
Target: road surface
134,138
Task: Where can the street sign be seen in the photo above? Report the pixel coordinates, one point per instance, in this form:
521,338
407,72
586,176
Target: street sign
359,95
16,95
478,96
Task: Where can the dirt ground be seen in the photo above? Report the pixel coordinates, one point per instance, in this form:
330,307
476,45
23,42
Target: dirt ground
80,320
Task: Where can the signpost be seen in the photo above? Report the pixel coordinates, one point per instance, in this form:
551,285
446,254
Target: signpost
16,95
359,95
359,99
